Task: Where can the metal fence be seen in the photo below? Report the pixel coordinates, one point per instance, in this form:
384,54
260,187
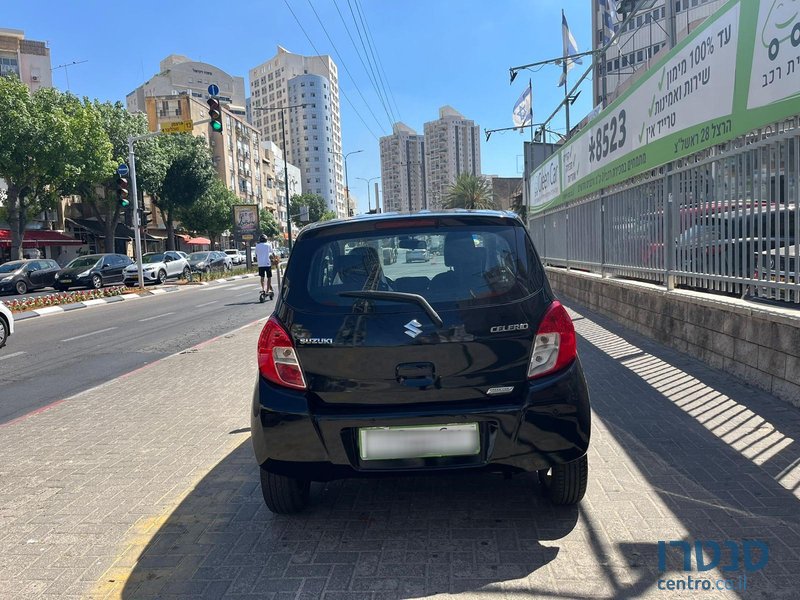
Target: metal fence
723,220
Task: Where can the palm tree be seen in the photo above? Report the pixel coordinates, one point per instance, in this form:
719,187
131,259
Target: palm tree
470,192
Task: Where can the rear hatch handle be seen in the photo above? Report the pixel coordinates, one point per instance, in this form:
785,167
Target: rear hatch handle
398,297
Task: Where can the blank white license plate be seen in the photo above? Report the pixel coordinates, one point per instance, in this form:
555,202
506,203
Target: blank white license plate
381,443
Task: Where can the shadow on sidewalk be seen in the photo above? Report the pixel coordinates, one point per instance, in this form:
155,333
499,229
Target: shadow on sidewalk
407,537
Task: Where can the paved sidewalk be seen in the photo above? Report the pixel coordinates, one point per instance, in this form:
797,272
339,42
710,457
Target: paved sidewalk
146,487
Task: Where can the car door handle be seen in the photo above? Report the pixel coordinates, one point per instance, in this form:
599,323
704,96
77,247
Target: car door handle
416,374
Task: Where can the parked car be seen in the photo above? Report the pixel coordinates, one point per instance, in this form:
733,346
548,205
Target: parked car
417,255
206,261
473,366
227,259
92,271
157,267
23,276
237,257
6,324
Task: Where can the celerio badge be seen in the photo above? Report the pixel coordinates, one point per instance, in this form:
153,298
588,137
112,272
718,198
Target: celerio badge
413,328
515,327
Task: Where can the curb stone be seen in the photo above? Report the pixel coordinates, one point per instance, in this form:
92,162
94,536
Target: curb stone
51,310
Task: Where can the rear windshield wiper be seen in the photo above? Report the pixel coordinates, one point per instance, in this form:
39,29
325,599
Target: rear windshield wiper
399,297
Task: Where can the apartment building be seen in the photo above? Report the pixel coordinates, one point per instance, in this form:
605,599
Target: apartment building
313,132
181,75
27,59
236,151
657,27
273,178
403,170
452,147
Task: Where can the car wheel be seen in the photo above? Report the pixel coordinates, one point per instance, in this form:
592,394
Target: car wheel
162,277
566,483
3,332
207,270
284,495
774,47
187,273
97,281
60,288
22,287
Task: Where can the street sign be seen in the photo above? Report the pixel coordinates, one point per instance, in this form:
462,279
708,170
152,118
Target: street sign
247,236
213,90
122,170
177,127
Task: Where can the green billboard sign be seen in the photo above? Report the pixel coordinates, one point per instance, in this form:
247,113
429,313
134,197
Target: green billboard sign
738,71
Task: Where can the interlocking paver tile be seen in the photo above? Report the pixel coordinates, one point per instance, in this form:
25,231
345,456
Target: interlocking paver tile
139,491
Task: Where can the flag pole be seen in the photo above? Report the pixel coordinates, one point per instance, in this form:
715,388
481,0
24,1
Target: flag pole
566,70
530,93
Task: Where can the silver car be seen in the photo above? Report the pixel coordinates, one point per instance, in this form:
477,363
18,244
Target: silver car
157,267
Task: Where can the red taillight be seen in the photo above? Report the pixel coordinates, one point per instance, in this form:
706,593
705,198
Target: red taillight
277,360
554,346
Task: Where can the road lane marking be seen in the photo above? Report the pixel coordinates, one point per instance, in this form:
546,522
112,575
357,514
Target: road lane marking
77,337
156,317
12,355
241,287
94,302
206,304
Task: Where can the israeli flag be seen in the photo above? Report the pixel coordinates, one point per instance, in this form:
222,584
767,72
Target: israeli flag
607,20
523,109
570,47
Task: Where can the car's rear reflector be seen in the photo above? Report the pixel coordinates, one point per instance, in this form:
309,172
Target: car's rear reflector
277,359
555,346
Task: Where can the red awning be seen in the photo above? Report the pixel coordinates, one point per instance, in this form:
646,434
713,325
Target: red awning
198,241
183,236
39,237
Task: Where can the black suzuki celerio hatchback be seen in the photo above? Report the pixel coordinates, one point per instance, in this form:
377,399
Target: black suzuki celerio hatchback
405,344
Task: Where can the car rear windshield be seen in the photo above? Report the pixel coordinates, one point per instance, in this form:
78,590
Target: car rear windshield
453,266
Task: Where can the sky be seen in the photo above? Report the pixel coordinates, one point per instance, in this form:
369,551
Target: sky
433,52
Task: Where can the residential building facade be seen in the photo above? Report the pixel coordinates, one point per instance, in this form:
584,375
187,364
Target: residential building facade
27,59
236,151
273,177
180,75
452,147
403,170
270,84
651,32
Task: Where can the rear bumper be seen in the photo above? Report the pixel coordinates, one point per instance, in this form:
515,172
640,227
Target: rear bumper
549,424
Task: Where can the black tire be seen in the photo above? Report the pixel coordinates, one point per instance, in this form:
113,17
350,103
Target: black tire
566,483
21,287
97,282
284,495
60,288
774,48
3,332
187,273
162,277
207,270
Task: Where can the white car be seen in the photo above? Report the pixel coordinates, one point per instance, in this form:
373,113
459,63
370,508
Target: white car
237,257
157,267
6,324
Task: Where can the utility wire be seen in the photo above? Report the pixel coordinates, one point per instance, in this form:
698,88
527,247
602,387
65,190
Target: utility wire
374,46
344,65
366,55
365,29
319,54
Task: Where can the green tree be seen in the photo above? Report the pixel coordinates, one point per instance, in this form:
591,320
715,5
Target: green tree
268,224
316,207
101,195
51,143
519,207
470,192
328,215
211,213
178,173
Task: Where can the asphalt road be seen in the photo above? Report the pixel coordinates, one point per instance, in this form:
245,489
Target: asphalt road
56,356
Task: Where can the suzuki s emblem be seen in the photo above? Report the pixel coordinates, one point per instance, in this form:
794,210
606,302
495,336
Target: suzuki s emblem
413,328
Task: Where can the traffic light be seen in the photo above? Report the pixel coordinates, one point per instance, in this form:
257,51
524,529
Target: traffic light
144,217
215,114
122,192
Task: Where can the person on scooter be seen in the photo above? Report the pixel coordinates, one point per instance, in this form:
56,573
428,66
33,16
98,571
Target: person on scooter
263,252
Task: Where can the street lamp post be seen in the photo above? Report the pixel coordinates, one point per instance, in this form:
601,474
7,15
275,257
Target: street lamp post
346,184
369,198
285,162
